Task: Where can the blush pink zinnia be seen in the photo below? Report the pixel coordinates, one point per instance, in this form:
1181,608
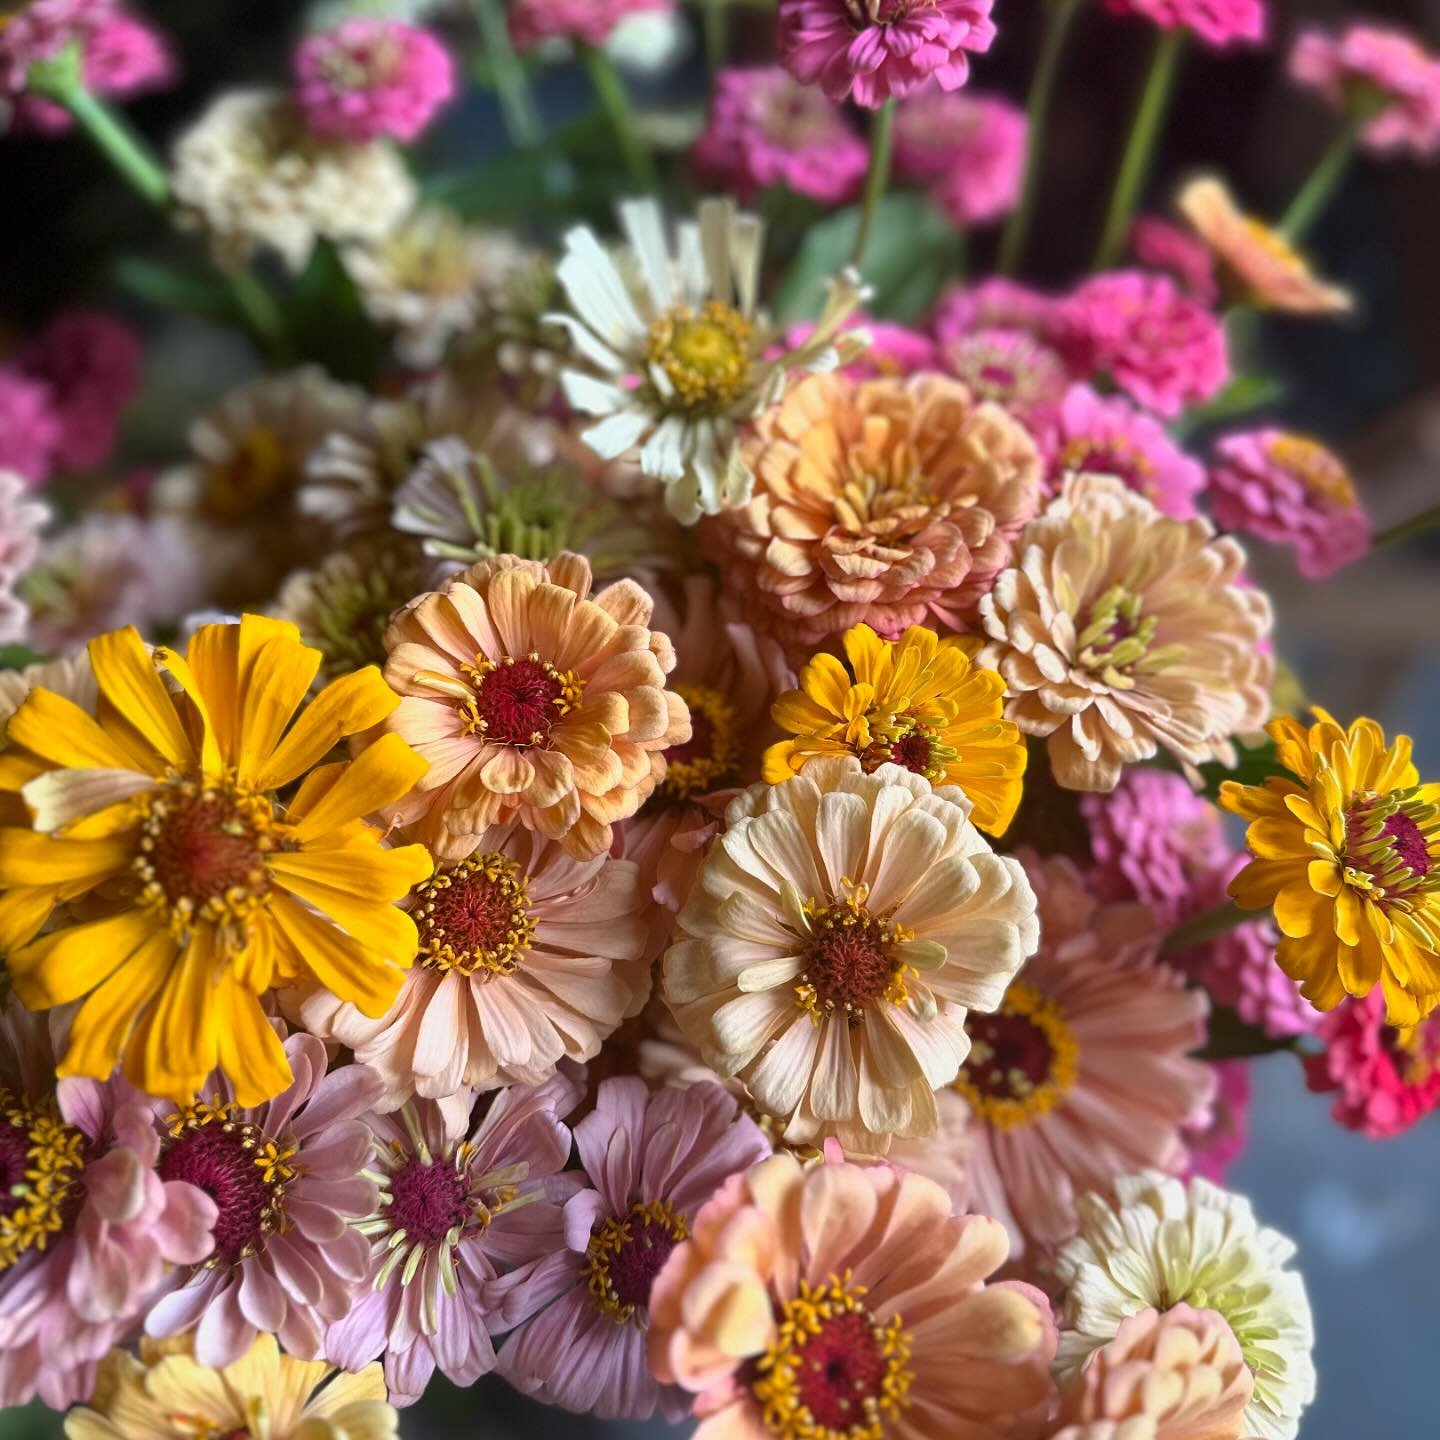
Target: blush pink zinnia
30,430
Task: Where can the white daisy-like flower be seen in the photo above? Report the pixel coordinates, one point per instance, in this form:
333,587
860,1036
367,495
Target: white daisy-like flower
1163,1243
676,356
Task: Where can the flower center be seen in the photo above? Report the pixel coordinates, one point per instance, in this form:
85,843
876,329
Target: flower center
626,1254
1415,1050
475,916
709,756
238,1166
347,605
518,701
885,492
705,357
256,471
910,743
428,1202
833,1372
362,64
202,853
1315,467
1023,1059
42,1160
1112,456
1387,847
851,961
1118,636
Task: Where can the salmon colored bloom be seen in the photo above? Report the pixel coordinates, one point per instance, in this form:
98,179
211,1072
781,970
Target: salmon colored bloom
847,1302
1347,854
1258,266
203,890
916,702
532,701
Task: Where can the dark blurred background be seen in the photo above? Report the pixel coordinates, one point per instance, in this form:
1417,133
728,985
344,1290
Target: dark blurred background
1366,1214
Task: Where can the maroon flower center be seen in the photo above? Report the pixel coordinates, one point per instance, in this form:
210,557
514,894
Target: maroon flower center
427,1202
639,1260
1409,843
851,962
518,701
839,1371
1022,1061
14,1162
913,751
699,746
201,849
1017,1055
625,1255
1387,852
475,916
42,1164
706,761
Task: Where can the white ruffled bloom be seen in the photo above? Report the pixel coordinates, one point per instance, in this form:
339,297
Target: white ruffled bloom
1164,1243
675,350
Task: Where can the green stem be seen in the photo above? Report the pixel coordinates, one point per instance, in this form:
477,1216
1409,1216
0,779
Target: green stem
877,178
263,315
1042,96
517,104
1140,149
1317,192
119,143
1208,925
1408,529
615,101
717,34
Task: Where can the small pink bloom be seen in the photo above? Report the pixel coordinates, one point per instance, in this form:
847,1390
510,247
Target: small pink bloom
767,129
370,78
872,50
1013,370
589,22
1163,350
970,149
91,362
21,521
1220,1141
1377,72
1160,245
654,1161
1384,1079
996,303
1217,22
30,430
894,350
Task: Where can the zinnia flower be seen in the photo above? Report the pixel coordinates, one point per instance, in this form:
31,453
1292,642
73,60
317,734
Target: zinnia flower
1122,632
285,1177
1012,368
836,937
215,891
1238,969
1258,266
1219,1140
677,363
21,521
1050,1120
1160,245
91,363
263,1395
588,22
767,129
994,304
970,150
458,1207
1380,75
370,77
585,1349
1165,1244
531,700
1346,852
1290,490
846,1300
872,50
886,502
1384,1079
30,430
916,702
1181,1370
1216,22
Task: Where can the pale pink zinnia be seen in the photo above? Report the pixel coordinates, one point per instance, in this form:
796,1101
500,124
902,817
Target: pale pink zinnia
653,1160
872,50
1217,22
1012,369
1379,74
89,1232
21,521
767,129
371,78
969,148
461,1207
526,956
809,1302
1290,490
30,430
1052,1117
286,1178
587,22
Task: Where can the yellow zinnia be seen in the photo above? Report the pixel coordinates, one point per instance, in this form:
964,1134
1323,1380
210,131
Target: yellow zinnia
916,702
1348,855
196,888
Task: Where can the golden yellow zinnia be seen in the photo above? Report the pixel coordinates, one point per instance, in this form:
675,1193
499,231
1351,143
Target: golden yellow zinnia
916,702
195,887
1347,853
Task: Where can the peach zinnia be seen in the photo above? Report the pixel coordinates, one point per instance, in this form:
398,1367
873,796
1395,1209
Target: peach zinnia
889,502
531,700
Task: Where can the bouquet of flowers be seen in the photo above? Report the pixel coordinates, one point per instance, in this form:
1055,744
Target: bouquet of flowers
642,806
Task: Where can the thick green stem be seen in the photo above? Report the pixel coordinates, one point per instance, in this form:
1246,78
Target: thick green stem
877,178
615,101
1409,529
1208,925
1042,96
1141,147
517,104
120,144
1317,192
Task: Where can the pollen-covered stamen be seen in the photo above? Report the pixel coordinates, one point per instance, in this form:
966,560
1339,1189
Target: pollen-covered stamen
912,744
1118,637
851,961
42,1160
249,477
704,356
476,916
1023,1059
1388,841
516,701
242,1169
834,1371
1315,467
625,1255
1112,456
707,760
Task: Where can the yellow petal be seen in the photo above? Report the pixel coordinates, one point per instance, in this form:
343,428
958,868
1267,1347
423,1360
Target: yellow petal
23,911
128,680
1298,909
60,731
62,967
278,680
214,661
182,1039
179,669
367,914
250,1051
377,777
342,965
344,707
1348,914
103,1023
27,858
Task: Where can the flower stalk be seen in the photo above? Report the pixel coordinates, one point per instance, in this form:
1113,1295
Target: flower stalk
877,178
1207,925
1324,180
1409,529
615,101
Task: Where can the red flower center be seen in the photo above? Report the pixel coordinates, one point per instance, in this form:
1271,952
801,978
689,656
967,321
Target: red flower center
1022,1061
42,1162
851,961
202,851
625,1255
518,701
1017,1055
476,916
1409,843
913,751
839,1370
1386,850
706,761
427,1202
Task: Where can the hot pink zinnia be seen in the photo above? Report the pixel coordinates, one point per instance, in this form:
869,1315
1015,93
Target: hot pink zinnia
370,78
970,149
894,350
1377,72
994,304
872,50
286,1259
30,432
1384,1079
1012,369
1163,350
1217,22
91,362
1160,245
589,22
654,1161
1220,1141
1290,490
767,129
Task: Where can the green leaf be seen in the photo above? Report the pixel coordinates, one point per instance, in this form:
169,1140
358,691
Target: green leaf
1256,765
1230,1038
170,289
1242,396
17,657
327,322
